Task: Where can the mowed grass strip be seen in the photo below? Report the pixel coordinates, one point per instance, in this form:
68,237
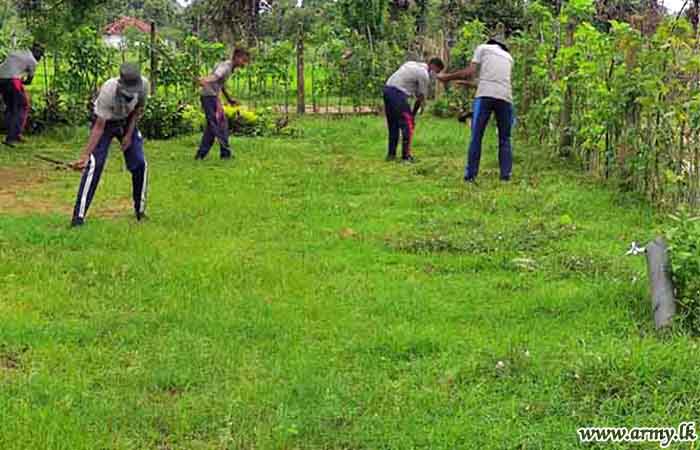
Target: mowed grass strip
311,295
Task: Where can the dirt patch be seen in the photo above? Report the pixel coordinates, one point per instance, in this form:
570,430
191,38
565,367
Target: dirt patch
25,191
11,360
15,183
13,179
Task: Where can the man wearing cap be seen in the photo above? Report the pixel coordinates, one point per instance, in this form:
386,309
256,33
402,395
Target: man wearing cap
118,108
17,65
212,86
492,65
411,80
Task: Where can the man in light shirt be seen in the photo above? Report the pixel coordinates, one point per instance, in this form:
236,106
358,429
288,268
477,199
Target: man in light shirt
118,108
15,72
492,66
213,86
411,80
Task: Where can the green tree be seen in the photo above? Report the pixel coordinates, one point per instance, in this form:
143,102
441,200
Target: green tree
231,20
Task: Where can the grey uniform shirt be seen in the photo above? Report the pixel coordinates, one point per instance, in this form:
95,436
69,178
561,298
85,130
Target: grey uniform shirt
413,79
110,106
222,73
18,63
495,69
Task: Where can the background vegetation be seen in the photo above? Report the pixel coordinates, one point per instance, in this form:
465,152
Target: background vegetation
492,316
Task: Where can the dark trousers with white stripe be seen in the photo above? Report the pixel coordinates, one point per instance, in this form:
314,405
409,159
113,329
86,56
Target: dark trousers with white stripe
16,107
216,129
399,120
135,163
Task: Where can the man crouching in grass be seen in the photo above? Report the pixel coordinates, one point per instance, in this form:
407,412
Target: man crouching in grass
411,80
118,108
212,86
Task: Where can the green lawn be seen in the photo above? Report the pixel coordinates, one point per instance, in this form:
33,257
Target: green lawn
310,295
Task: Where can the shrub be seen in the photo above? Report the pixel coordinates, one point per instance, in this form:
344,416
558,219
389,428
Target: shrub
165,118
684,248
243,122
193,117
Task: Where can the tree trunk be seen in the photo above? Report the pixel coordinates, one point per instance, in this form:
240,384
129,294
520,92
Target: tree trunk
566,137
253,32
663,301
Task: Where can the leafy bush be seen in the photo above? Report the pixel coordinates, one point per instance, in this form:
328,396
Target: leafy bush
243,122
86,60
52,111
442,108
684,248
165,118
194,117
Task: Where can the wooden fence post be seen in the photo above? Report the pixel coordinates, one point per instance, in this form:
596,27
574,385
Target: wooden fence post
301,85
154,61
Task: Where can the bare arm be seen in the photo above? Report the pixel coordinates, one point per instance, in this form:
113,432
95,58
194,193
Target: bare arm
231,101
464,74
130,127
420,100
95,136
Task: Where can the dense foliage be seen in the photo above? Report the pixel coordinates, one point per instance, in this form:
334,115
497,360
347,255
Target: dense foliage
624,103
684,237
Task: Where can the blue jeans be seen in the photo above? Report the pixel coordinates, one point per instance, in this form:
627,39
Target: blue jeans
483,108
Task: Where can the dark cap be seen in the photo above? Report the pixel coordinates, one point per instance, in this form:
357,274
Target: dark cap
130,78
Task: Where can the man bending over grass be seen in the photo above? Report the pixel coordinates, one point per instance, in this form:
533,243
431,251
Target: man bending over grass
17,65
118,108
212,86
411,80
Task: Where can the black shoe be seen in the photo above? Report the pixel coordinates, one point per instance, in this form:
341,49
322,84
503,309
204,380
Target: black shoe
11,144
390,158
227,156
141,217
408,160
470,180
198,157
77,222
505,179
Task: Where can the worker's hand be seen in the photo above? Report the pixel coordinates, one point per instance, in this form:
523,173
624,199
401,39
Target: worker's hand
126,142
80,164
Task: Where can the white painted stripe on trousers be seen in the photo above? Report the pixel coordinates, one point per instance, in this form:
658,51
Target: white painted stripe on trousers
86,187
144,187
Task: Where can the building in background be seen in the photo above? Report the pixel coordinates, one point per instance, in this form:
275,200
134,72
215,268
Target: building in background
115,32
